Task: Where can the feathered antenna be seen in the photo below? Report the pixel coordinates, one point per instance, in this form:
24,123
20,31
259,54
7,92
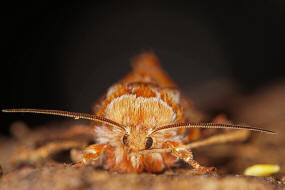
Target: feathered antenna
211,126
74,115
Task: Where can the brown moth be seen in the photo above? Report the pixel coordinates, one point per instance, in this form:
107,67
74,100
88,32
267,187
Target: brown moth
142,122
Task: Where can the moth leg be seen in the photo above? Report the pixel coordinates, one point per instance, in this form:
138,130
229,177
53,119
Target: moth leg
91,153
185,154
42,153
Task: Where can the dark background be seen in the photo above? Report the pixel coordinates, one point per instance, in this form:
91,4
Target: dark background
64,56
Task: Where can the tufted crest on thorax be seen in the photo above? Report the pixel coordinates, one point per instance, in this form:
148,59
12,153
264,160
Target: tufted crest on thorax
141,104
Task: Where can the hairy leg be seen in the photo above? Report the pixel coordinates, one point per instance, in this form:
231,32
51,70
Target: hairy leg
185,154
91,153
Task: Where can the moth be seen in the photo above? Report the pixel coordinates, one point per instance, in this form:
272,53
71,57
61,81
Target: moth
144,123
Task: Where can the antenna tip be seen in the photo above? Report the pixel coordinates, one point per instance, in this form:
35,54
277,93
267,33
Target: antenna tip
268,132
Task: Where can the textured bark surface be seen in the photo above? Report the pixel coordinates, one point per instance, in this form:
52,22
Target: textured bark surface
265,108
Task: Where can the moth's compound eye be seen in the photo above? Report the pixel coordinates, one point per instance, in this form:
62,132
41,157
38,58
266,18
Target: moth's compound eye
125,138
148,142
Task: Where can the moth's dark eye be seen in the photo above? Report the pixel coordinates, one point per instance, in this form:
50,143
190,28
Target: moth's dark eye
148,142
125,138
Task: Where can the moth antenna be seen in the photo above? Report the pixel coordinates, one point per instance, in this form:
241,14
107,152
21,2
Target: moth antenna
74,115
212,126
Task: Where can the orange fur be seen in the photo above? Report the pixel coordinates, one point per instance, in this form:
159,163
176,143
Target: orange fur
143,100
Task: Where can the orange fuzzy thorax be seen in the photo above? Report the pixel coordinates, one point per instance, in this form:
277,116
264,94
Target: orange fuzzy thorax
141,102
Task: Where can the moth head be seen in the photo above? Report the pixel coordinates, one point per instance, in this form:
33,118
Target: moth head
137,140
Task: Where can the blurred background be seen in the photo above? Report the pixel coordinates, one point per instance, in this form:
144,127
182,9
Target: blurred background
65,56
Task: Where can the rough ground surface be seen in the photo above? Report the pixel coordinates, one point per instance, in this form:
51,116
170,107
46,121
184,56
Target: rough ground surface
265,108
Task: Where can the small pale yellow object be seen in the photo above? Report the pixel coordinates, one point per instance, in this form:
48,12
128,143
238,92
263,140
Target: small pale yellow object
261,170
